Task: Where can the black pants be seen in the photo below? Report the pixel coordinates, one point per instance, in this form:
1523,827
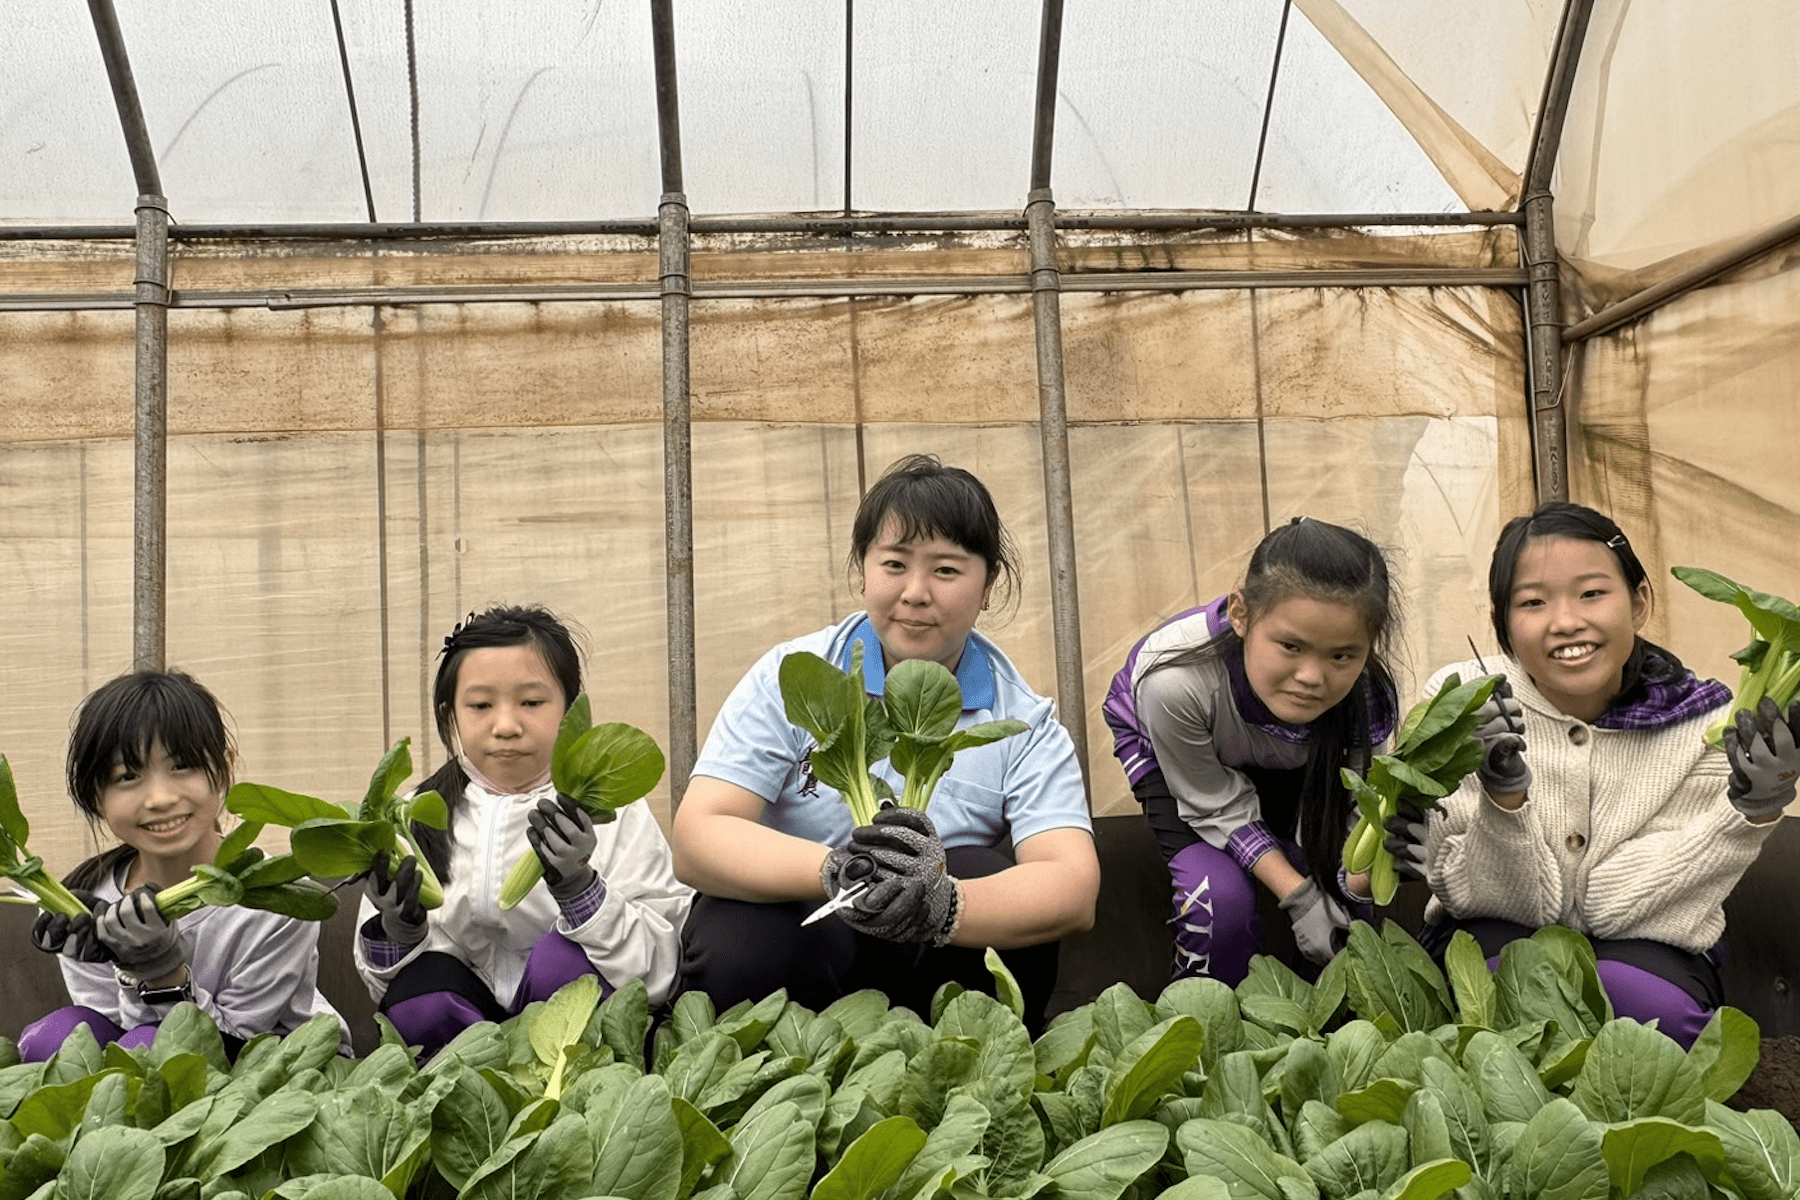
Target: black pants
1278,791
736,950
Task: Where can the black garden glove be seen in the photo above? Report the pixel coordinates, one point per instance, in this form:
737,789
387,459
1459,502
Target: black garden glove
1503,770
396,900
1764,750
142,941
913,898
71,937
1406,841
562,834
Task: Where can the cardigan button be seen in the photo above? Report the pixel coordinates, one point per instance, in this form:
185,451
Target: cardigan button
1578,734
1575,842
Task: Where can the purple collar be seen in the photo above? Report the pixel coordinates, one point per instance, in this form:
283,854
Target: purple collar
1656,703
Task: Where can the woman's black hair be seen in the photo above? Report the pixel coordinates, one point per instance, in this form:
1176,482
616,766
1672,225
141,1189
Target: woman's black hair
501,625
1648,662
1332,564
118,724
927,499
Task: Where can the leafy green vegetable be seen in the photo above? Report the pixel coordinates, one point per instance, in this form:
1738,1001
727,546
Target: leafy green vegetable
1771,661
242,874
602,768
1434,749
19,864
913,726
332,843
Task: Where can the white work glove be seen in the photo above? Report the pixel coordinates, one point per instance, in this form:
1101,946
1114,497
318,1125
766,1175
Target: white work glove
1317,920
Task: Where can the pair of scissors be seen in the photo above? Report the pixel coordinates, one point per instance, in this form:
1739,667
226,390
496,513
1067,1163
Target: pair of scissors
860,867
1506,716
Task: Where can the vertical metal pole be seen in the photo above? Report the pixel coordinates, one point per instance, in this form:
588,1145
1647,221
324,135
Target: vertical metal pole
150,391
1053,420
678,482
1543,296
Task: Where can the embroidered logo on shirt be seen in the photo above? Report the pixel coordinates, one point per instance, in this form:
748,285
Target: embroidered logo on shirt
809,783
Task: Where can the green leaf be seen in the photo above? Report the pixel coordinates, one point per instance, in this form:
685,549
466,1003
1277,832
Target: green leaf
638,1150
1214,1005
277,1118
859,1014
771,1155
1725,1053
361,1132
1354,1048
337,849
547,1165
1632,1148
1379,1100
577,720
1761,1149
1246,1163
265,805
624,1019
1770,615
1509,1085
1428,1181
428,809
872,1163
1005,1055
955,1136
1149,1067
56,1110
923,700
1102,1165
563,1018
112,1164
818,697
1559,1157
610,766
702,1144
389,774
1477,998
1633,1071
1368,1158
13,825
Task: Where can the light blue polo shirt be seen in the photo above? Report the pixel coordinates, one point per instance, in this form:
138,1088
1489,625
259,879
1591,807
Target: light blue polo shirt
1022,785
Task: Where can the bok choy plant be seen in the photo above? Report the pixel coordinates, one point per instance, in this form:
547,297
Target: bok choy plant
1771,661
602,768
330,842
1435,748
242,874
913,726
22,866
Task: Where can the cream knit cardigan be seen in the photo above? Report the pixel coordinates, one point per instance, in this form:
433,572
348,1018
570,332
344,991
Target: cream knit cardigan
1624,833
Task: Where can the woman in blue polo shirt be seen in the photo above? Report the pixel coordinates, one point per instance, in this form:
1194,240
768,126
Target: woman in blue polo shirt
1005,858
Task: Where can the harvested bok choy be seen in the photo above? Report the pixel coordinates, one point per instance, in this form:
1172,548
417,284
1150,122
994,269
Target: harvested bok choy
1771,661
242,874
1435,748
602,768
913,726
22,866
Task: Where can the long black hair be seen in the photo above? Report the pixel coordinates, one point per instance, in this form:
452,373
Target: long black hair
1648,662
118,724
1331,564
502,625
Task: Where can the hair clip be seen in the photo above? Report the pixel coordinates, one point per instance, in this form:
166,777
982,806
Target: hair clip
450,638
1616,542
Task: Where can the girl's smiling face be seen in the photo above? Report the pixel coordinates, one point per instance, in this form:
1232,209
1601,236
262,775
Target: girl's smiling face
1573,621
1301,656
167,810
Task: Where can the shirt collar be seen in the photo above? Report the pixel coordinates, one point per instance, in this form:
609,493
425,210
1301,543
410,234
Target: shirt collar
974,673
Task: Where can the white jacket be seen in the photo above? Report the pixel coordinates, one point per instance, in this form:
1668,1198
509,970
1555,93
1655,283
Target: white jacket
635,933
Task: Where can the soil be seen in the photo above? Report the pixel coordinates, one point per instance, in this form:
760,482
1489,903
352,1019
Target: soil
1776,1081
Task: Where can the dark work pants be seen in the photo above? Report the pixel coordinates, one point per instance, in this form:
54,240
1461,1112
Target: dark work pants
735,950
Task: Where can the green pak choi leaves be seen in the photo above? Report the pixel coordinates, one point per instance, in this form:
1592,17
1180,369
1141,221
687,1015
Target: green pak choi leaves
22,866
1435,748
913,726
602,768
1771,662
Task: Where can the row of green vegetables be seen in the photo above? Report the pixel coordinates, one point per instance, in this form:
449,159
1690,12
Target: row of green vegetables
1384,1080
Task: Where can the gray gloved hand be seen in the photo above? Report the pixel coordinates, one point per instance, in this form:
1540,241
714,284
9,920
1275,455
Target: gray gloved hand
141,941
396,900
1405,840
1764,750
1317,920
562,834
1501,729
71,937
912,898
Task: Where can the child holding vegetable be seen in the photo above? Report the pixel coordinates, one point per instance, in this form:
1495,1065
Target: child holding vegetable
1232,721
150,759
1598,805
610,904
766,841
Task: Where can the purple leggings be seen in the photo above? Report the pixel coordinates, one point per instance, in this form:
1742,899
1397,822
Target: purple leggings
1217,929
433,1004
44,1036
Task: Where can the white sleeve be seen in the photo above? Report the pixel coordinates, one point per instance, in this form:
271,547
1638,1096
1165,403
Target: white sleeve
636,932
1214,799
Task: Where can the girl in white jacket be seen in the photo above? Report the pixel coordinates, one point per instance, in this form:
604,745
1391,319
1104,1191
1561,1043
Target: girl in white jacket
609,903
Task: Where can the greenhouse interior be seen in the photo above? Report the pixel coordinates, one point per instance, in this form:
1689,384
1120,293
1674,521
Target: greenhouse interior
325,326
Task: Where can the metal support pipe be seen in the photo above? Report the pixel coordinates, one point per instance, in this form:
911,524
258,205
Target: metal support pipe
150,391
1059,507
1698,275
676,289
1543,296
834,226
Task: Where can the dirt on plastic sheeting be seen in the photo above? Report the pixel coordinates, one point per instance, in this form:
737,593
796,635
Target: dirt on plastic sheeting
1776,1081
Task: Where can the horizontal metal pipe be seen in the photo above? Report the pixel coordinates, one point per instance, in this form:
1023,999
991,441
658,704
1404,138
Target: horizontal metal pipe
820,289
834,225
1698,275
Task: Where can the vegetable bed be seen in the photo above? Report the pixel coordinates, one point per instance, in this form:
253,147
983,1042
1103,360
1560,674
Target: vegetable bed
1383,1080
